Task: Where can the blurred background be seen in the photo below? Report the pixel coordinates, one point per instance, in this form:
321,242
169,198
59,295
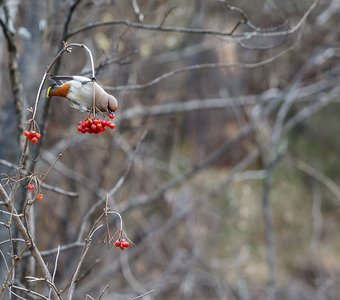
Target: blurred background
228,112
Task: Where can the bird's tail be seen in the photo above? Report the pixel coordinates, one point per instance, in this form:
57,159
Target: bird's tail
49,91
56,90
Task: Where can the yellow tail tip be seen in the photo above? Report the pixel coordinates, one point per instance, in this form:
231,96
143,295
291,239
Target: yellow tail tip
48,91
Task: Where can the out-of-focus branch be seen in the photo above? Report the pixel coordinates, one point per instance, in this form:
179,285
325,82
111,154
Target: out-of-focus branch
311,109
111,193
304,94
317,175
137,10
208,161
231,34
14,74
202,67
62,249
71,11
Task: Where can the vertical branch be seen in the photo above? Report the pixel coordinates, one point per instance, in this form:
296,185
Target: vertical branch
30,244
69,18
56,64
14,73
82,257
268,233
17,90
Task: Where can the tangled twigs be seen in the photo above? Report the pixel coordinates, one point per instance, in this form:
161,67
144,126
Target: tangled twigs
29,242
119,238
86,248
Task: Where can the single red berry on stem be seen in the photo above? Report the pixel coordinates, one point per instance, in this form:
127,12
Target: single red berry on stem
117,243
40,196
30,187
34,140
111,116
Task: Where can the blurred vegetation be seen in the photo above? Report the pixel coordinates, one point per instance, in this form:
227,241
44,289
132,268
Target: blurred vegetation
203,235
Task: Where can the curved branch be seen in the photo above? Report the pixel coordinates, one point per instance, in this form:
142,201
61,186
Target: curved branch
201,67
231,34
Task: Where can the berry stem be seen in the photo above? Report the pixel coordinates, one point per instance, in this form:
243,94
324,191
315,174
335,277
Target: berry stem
120,218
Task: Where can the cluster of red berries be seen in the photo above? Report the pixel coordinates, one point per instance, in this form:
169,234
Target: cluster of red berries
32,135
122,244
31,187
95,125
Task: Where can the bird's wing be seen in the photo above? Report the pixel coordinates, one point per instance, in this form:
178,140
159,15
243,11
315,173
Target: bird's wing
82,79
60,79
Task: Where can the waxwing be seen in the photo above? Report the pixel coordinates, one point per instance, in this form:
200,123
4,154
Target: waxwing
78,90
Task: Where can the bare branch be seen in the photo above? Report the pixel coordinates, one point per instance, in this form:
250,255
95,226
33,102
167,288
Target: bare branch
231,35
71,11
111,193
137,10
306,168
14,73
29,291
82,257
201,67
30,244
46,186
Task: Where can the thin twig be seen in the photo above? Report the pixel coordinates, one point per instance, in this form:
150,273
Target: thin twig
29,291
141,296
30,244
202,67
44,185
238,36
82,257
103,292
111,193
55,270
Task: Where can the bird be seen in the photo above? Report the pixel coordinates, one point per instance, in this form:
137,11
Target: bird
78,90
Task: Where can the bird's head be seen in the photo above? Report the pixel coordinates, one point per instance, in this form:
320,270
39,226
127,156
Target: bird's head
112,103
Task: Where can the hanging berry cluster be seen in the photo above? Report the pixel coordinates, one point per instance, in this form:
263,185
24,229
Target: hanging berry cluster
32,135
95,125
122,244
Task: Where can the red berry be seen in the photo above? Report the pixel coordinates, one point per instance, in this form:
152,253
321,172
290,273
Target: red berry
111,116
112,125
34,140
26,133
30,187
40,196
125,244
93,127
117,243
38,135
